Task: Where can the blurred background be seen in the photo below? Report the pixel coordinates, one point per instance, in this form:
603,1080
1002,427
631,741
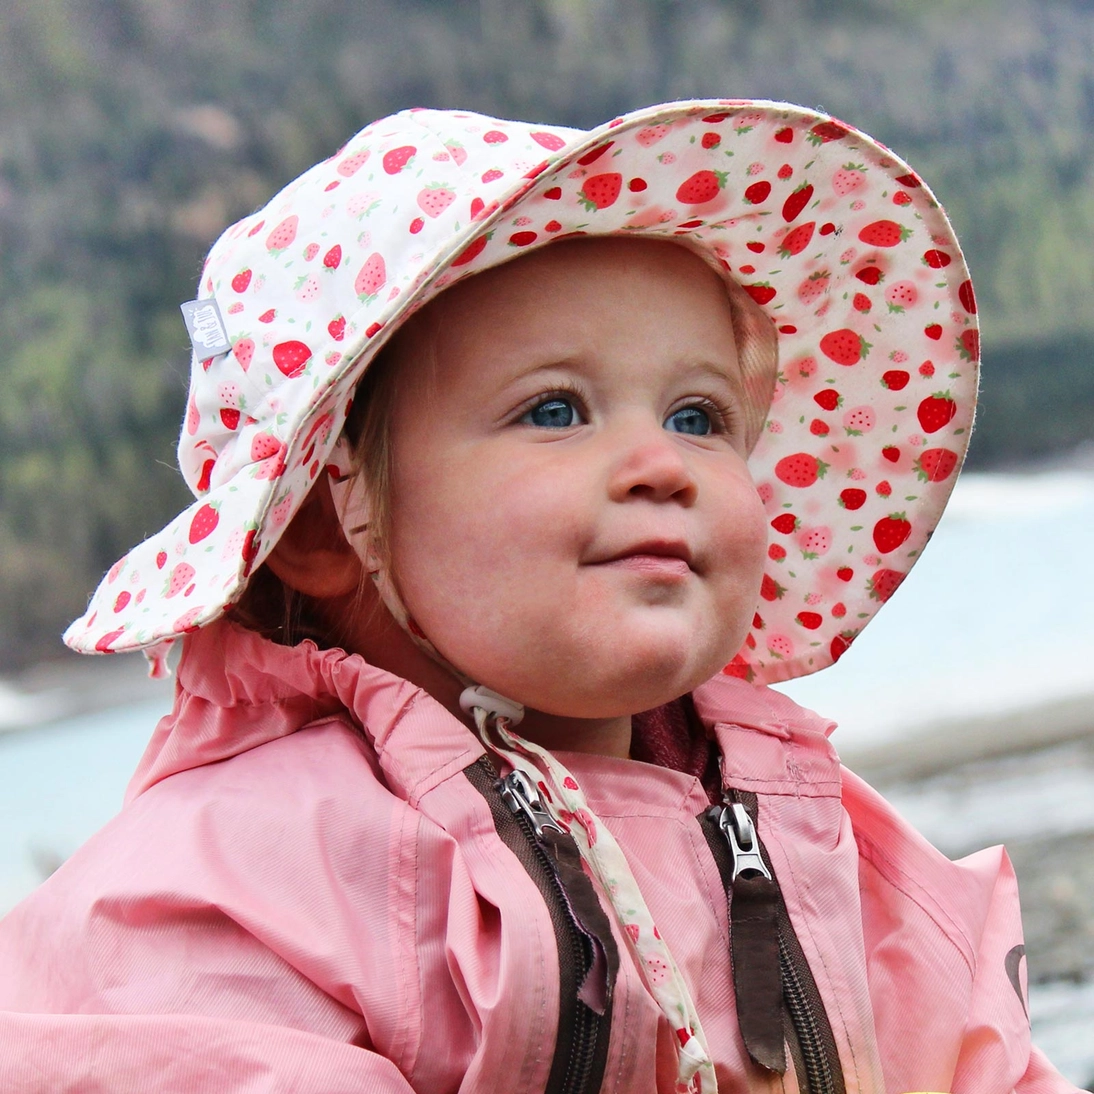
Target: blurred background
133,131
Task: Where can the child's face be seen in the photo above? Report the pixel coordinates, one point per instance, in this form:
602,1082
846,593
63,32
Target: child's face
573,523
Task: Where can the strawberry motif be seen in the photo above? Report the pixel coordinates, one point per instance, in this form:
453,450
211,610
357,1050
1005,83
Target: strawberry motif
895,379
161,560
600,191
810,620
492,175
471,251
758,192
800,470
280,512
205,478
711,139
815,542
814,286
551,141
852,498
371,278
848,179
103,644
244,351
844,346
268,316
523,239
861,302
785,523
890,532
494,136
884,583
651,135
291,357
936,411
819,428
884,233
936,464
395,160
859,420
283,235
456,151
594,154
870,275
701,187
761,292
333,258
933,331
900,295
785,135
241,280
336,328
308,288
784,172
797,201
770,589
229,417
796,240
936,259
122,599
179,579
967,297
203,523
823,132
434,199
353,163
780,647
828,398
968,345
636,186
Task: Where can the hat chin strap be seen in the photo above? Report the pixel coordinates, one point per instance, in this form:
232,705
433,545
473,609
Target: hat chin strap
352,504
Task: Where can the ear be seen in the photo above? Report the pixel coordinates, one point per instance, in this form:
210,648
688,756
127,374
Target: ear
312,555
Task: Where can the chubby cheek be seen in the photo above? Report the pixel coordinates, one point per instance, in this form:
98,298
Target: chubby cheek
742,536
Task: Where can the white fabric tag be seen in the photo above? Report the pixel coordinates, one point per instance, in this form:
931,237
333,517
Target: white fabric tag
205,325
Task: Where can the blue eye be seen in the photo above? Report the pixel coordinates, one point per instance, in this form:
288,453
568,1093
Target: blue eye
553,413
693,420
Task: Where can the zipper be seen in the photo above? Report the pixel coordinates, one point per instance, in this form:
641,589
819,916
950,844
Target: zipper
528,829
739,854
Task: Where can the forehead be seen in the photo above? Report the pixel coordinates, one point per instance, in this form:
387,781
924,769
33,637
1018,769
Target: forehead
566,297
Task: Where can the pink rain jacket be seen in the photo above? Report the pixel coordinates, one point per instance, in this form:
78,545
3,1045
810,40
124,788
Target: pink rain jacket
305,893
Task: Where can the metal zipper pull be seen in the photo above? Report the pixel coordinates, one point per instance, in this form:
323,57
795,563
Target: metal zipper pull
740,833
519,794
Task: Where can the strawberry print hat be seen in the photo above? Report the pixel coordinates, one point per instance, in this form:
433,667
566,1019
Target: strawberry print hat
840,243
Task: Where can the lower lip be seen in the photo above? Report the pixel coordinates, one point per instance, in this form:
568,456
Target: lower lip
663,567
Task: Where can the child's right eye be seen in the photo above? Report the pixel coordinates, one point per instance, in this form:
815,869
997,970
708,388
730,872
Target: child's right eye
553,413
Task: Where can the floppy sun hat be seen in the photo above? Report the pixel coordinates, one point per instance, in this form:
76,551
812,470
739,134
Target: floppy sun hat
836,239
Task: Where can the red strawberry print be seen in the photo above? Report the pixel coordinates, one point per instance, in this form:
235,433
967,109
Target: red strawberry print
784,172
249,550
371,278
967,297
933,331
839,646
179,578
762,292
770,589
103,645
901,198
758,192
852,498
884,583
291,357
333,258
814,286
845,573
456,151
937,260
900,295
810,620
206,476
701,187
936,411
826,131
819,428
601,191
756,247
268,316
336,328
848,179
936,464
844,346
395,160
244,351
785,135
883,489
551,141
522,239
884,233
828,398
870,275
283,235
204,522
492,175
776,553
552,226
968,345
785,523
800,469
896,379
910,180
890,532
827,228
471,251
796,240
595,154
122,599
861,302
797,201
494,136
241,280
891,453
229,416
551,195
711,140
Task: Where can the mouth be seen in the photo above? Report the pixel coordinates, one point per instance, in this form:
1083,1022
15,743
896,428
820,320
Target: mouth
659,558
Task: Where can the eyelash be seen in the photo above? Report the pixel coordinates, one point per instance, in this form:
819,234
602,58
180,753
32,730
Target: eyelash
724,418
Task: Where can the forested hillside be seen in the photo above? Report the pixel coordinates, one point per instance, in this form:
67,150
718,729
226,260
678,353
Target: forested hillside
132,131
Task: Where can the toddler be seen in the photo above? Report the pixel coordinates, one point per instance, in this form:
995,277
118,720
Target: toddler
524,459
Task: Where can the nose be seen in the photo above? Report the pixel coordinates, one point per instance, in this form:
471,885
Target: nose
650,463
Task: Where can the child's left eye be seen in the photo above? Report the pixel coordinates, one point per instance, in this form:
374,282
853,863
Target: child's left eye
555,412
693,420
